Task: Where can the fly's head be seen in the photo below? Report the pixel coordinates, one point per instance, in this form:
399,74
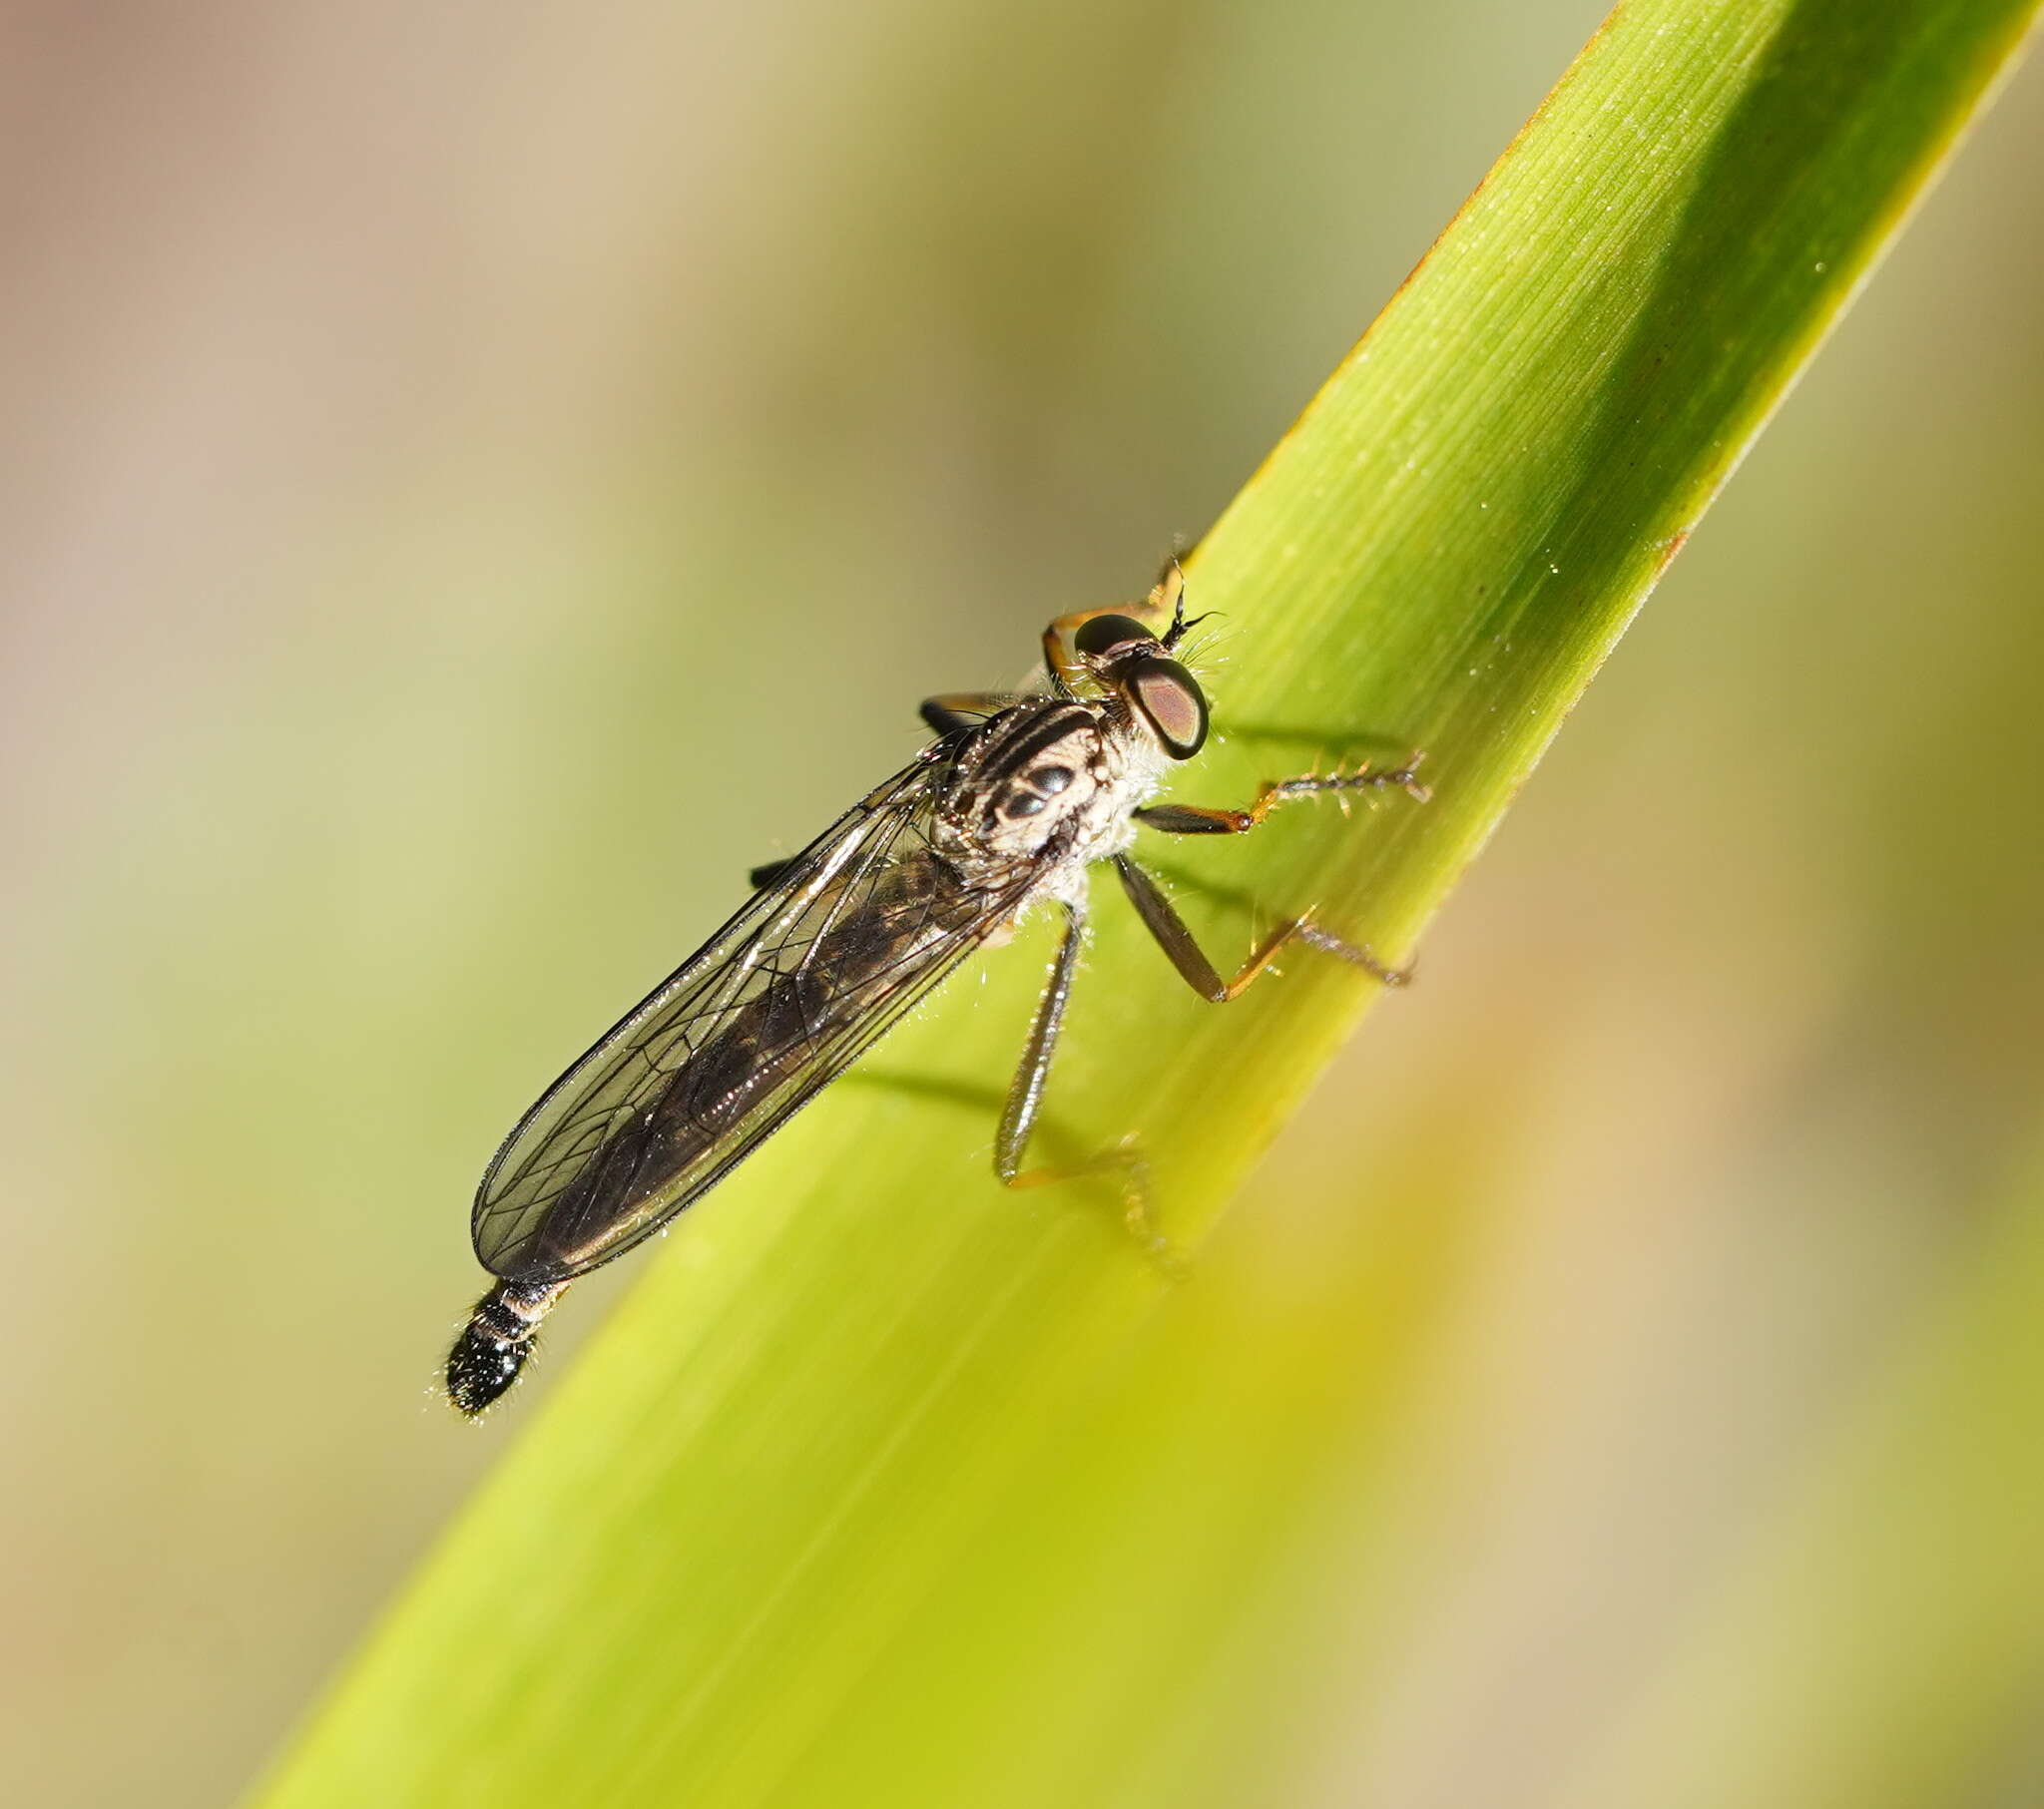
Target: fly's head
1157,694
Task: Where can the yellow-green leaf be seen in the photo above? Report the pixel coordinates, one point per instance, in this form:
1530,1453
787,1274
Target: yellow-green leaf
792,1532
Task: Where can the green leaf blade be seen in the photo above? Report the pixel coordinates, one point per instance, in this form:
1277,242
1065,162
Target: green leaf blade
832,1422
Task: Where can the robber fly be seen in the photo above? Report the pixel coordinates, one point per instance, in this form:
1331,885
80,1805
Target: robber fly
1007,809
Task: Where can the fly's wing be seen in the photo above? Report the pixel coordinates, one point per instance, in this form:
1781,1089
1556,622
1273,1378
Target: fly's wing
845,940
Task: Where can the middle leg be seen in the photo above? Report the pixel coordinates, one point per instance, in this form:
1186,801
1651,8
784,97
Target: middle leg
1176,939
951,710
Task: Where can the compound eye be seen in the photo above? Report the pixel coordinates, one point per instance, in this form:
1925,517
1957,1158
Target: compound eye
1172,704
1102,637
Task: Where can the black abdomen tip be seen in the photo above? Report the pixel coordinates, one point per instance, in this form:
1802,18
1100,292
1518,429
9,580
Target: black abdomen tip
480,1367
495,1344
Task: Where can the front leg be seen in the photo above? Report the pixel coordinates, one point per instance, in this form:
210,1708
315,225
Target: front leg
1205,820
1167,598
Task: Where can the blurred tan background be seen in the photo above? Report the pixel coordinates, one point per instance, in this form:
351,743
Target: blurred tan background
478,479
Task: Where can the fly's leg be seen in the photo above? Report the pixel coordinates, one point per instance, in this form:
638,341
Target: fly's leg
1167,595
1025,1100
1164,923
956,710
1204,819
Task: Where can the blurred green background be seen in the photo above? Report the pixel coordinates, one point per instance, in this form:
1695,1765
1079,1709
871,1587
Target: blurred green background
476,483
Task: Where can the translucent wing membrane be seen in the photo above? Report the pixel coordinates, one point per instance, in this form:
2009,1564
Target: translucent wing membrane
846,938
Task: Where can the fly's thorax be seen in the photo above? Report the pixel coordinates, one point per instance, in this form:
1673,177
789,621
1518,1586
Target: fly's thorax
1044,782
